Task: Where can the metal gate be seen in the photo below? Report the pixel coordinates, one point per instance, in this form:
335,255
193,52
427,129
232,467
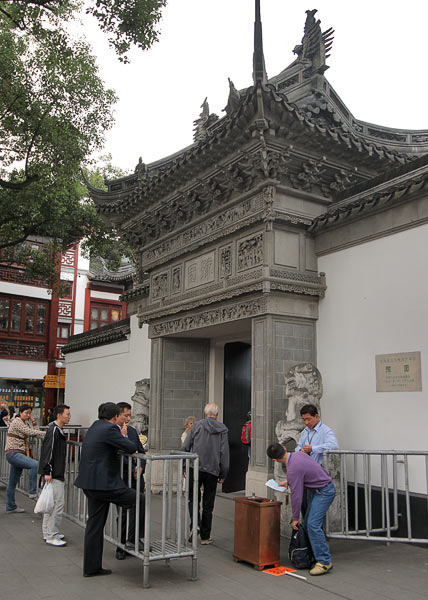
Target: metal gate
377,492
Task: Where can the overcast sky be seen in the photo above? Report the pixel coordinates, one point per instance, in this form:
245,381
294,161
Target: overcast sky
377,65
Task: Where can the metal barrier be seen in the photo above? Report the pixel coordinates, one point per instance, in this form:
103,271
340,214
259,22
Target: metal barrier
163,540
373,487
166,540
71,431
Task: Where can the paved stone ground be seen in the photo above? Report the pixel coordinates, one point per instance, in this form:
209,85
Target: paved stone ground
362,570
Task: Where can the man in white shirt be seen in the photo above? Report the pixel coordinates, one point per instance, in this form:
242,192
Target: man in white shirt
316,437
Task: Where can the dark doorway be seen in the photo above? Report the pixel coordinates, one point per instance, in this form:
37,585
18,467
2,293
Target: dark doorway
237,404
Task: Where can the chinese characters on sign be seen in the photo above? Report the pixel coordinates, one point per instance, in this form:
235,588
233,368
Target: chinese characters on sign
199,271
398,372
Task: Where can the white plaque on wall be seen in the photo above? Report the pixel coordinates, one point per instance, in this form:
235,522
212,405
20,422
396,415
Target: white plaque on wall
399,372
199,271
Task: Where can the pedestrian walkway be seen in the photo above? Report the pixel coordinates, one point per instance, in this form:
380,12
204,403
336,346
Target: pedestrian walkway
362,570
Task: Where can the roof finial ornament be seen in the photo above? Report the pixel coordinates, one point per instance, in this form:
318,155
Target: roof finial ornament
315,44
259,69
234,99
200,132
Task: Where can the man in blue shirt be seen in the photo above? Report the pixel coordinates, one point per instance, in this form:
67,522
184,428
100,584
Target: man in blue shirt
316,437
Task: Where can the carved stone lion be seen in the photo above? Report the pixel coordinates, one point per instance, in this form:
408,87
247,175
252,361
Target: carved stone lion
141,403
303,385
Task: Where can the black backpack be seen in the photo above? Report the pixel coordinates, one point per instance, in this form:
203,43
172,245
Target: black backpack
299,550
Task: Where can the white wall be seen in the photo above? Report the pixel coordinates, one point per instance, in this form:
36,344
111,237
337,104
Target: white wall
16,369
376,303
18,289
106,374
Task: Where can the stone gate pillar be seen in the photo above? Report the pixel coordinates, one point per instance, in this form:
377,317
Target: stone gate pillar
277,344
179,388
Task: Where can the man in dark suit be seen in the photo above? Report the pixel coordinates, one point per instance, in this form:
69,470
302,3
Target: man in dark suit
99,477
132,434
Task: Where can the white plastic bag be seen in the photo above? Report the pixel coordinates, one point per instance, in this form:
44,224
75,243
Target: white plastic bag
45,503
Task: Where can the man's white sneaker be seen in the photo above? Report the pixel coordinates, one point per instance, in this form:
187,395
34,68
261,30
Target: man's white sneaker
18,509
207,542
56,541
60,536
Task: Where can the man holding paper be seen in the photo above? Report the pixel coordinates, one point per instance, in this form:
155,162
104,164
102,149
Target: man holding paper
303,472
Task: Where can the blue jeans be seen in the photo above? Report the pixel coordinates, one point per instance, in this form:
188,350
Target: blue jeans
18,462
314,518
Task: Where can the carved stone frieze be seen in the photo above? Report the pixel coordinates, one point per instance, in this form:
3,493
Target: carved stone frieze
246,276
296,275
162,312
290,218
200,232
250,252
297,289
233,312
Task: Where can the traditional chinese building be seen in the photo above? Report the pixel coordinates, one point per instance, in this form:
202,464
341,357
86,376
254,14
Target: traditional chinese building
282,235
36,323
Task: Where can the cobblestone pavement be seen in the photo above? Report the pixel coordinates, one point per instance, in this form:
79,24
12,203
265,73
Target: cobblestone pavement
362,570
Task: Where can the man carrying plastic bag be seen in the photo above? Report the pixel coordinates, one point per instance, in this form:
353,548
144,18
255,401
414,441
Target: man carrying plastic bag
52,466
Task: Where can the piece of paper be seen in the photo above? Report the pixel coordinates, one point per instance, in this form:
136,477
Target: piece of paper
274,486
279,571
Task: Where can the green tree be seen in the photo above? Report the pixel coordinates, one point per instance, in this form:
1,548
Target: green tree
127,23
54,111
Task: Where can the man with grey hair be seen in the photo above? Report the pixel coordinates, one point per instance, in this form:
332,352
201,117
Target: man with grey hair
209,440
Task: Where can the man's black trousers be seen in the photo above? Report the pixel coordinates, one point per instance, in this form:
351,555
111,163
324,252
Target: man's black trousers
132,513
98,507
209,483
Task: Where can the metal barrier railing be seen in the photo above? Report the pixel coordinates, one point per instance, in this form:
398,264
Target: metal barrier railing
73,432
164,539
376,490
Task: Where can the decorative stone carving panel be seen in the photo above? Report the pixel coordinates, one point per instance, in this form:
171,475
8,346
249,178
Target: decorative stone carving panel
225,261
250,252
159,286
176,280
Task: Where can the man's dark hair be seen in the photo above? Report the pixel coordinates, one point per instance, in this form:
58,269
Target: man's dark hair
59,410
275,451
24,407
309,409
108,410
124,406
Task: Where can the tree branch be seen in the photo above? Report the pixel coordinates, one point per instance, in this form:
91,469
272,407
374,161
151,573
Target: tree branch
18,185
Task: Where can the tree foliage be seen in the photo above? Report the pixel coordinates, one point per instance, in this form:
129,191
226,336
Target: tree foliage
127,23
54,111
